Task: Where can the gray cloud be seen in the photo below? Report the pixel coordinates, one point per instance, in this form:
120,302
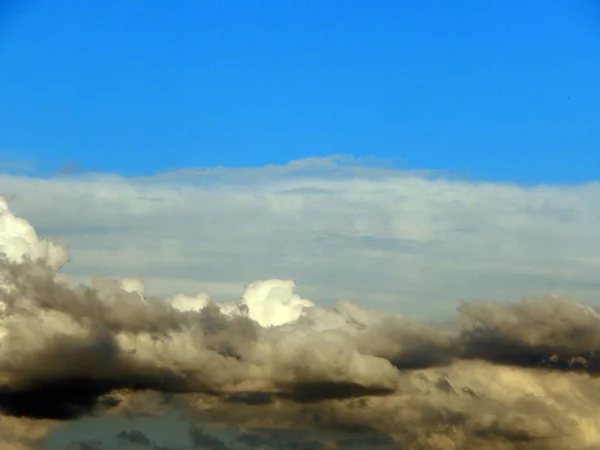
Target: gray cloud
88,444
398,240
134,436
205,441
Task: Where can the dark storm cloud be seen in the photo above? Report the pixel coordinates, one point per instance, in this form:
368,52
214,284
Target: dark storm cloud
68,376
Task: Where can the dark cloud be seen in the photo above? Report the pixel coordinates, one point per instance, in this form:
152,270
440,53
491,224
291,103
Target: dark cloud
134,436
88,444
315,391
163,447
202,440
309,392
282,439
71,376
293,439
553,333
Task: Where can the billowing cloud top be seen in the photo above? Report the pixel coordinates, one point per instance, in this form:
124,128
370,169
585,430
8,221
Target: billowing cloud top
18,240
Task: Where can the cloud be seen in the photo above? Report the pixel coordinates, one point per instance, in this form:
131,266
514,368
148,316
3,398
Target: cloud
411,242
519,375
88,444
291,439
134,437
23,433
205,441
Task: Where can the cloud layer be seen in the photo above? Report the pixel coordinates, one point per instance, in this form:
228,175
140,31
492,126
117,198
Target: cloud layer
404,241
501,376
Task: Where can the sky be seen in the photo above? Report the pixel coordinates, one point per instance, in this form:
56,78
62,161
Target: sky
490,90
407,158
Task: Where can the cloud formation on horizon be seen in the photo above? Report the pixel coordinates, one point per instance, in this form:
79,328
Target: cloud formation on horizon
397,240
521,375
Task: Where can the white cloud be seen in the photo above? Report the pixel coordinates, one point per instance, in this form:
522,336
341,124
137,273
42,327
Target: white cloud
390,239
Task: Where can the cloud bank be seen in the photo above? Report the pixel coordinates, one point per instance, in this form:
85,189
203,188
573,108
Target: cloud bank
404,241
520,375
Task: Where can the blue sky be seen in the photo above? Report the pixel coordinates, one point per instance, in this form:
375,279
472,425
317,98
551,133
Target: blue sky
505,90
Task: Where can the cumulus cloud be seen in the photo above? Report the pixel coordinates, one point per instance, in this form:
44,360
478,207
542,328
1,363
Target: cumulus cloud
496,375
